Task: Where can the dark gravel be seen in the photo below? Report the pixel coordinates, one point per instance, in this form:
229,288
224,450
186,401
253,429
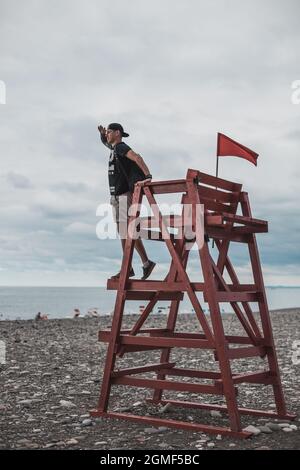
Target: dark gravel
52,379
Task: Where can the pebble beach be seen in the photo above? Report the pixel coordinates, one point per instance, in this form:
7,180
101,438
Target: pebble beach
52,376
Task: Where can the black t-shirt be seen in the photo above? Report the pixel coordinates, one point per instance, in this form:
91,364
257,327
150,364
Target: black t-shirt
123,173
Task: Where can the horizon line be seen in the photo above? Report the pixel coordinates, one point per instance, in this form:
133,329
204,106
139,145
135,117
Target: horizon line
96,286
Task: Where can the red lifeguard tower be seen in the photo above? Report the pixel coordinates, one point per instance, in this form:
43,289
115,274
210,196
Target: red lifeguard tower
226,219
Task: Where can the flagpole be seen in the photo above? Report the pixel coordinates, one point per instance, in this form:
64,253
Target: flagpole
217,170
217,167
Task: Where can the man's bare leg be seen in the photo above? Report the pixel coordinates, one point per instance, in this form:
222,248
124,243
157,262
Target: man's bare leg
123,241
148,265
139,246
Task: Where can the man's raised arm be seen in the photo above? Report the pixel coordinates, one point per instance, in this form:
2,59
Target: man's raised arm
102,131
136,157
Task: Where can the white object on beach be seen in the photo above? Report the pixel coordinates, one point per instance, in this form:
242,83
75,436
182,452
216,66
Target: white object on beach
92,312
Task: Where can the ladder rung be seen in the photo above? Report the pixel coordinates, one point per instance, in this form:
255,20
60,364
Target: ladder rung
224,296
105,335
255,377
169,286
239,353
143,369
167,385
148,295
161,341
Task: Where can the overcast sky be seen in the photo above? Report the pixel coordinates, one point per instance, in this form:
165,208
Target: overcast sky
174,73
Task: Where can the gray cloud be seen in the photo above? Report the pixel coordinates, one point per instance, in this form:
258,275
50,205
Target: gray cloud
72,187
18,181
174,73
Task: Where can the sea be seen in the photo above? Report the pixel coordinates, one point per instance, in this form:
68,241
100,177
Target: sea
59,302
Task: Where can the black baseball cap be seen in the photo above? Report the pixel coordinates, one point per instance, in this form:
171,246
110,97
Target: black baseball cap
114,126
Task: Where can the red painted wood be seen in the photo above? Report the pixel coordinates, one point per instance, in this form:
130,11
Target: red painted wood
171,423
221,199
142,369
223,409
166,342
167,385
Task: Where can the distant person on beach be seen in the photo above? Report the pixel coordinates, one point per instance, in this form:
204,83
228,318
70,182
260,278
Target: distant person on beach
76,313
125,168
39,316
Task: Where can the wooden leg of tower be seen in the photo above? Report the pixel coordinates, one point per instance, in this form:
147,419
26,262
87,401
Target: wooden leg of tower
118,312
264,315
235,280
221,345
171,323
111,353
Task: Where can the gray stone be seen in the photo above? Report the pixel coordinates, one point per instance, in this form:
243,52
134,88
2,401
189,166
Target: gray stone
87,422
25,402
166,408
17,339
33,445
252,429
215,414
287,429
164,445
123,409
24,441
66,404
71,442
273,426
155,430
265,429
30,420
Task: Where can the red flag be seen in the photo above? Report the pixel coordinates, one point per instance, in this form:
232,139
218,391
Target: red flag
229,147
